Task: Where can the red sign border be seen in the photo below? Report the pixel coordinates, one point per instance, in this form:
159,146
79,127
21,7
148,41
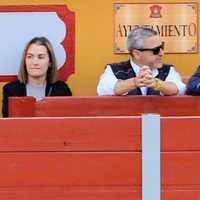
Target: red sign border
68,17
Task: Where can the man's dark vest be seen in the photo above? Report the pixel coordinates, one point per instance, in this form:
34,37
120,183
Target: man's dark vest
124,70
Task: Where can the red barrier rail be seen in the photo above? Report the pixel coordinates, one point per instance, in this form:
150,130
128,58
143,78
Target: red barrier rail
94,158
104,106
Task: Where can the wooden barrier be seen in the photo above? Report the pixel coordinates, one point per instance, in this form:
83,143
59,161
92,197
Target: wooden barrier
94,158
104,106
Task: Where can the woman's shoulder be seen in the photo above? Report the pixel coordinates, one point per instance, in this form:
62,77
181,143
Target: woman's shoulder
15,88
61,88
60,84
13,84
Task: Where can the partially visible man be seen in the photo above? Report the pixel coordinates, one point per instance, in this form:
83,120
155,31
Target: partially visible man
193,86
144,73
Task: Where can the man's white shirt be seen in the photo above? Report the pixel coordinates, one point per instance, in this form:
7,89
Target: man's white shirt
108,80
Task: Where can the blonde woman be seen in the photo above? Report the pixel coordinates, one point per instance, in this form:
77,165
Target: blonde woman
38,75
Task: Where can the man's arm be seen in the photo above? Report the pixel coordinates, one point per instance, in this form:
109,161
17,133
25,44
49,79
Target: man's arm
124,86
167,88
107,82
174,80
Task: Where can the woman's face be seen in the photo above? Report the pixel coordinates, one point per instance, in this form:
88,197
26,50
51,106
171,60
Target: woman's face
37,61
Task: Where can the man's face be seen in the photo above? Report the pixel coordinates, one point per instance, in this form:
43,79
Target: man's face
150,55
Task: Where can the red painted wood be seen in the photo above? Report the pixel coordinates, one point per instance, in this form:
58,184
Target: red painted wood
95,134
70,169
72,193
180,168
180,133
95,169
110,106
70,134
180,195
94,158
90,193
22,106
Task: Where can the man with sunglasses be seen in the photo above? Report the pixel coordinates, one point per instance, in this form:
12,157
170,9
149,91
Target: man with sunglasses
144,73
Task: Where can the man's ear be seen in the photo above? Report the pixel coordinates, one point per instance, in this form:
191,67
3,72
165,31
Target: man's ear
136,54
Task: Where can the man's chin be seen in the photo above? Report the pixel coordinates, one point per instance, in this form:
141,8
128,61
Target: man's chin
158,65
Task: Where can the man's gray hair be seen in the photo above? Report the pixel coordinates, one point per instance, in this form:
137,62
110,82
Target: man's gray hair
135,39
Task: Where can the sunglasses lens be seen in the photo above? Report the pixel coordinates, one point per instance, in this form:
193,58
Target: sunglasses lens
156,50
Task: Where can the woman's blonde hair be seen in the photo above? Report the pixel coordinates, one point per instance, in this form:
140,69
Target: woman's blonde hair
52,73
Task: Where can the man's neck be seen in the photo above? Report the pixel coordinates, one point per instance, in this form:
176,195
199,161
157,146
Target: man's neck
139,64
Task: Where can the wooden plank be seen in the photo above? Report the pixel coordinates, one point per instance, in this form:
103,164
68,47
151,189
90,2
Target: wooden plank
108,106
119,106
92,194
72,193
89,193
180,168
180,195
70,134
70,169
21,106
95,134
95,169
180,133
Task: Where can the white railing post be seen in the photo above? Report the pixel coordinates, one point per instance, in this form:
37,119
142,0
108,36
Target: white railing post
151,157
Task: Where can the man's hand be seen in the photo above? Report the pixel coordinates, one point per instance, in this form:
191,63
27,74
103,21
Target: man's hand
145,78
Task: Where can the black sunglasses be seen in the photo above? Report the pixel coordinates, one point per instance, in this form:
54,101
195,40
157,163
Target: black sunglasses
155,50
